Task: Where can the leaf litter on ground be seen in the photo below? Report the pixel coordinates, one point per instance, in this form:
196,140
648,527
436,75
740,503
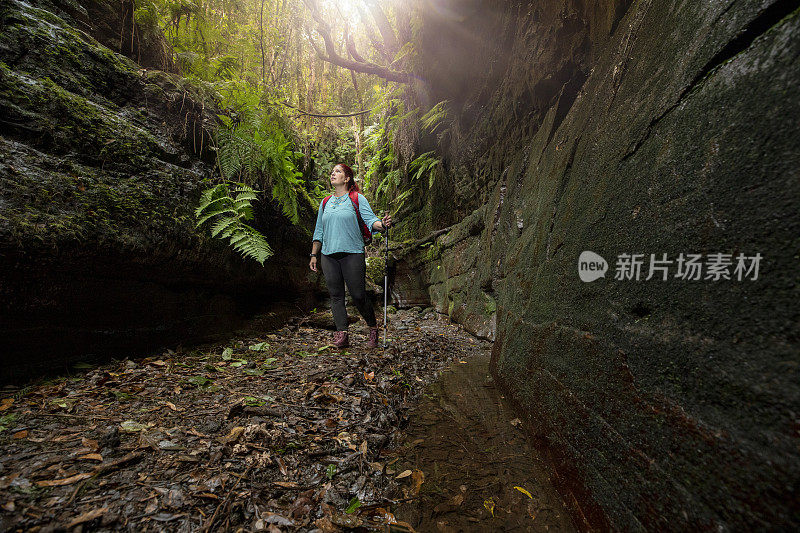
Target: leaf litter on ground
285,435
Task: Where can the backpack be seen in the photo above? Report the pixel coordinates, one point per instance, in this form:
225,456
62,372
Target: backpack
366,234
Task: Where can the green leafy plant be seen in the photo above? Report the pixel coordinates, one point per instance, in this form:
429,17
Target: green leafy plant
252,147
7,421
354,504
227,214
199,381
435,117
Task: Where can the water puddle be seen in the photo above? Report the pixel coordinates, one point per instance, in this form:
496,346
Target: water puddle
477,469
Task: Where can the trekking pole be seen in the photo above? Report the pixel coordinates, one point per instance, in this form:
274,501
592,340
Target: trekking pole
385,285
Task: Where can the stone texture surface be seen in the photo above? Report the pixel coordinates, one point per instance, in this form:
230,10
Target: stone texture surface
100,165
629,127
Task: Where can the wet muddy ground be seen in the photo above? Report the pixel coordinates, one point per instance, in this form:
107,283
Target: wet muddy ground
481,473
277,431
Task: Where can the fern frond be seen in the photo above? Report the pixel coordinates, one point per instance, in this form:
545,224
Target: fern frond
222,224
246,212
246,196
206,217
251,243
435,117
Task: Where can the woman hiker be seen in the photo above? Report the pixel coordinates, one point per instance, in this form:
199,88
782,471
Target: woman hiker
339,236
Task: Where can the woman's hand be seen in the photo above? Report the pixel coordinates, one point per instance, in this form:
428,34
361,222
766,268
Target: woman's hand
313,263
386,221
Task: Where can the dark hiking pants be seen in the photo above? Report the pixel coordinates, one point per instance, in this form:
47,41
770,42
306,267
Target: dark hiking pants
341,268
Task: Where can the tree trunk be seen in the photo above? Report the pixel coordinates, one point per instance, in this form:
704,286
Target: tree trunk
263,55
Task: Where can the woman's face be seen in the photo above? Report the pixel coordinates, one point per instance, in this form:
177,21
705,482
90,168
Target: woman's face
338,176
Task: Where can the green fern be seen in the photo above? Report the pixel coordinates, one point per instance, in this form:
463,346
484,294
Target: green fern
227,215
422,165
435,117
252,147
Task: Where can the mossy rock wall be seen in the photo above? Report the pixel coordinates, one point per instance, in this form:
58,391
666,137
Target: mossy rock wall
631,127
101,165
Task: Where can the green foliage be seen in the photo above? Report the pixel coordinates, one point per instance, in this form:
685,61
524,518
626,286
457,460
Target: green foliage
424,165
433,119
259,347
354,504
227,214
7,421
252,147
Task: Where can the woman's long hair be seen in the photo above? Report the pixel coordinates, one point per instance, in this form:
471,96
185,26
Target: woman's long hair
353,186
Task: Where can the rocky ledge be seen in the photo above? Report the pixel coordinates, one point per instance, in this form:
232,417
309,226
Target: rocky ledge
101,163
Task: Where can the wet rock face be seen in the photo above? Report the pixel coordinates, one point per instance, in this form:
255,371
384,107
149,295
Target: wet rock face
101,164
641,128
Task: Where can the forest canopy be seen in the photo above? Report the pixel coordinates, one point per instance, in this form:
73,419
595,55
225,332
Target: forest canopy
305,84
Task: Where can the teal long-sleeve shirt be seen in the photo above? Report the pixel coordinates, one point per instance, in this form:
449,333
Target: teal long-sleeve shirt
337,225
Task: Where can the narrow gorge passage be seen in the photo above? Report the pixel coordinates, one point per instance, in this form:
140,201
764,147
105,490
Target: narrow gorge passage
281,431
591,212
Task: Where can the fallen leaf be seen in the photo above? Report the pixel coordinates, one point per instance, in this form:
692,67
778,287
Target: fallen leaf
152,505
286,484
199,381
489,505
92,457
369,377
87,517
417,479
259,347
193,431
132,426
6,403
404,473
66,481
326,398
233,436
171,406
354,504
170,446
92,444
62,438
20,434
158,362
516,422
525,492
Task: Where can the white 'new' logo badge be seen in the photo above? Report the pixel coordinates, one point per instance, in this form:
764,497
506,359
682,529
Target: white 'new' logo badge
591,266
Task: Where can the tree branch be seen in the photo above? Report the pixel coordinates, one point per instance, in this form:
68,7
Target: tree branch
331,56
379,46
389,38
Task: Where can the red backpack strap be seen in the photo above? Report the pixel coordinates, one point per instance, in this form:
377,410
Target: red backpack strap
354,197
325,201
365,232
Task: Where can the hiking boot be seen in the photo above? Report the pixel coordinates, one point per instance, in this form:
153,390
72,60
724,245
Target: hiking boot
373,337
340,339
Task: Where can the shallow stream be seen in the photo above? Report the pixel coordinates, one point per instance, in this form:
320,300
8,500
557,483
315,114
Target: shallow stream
481,472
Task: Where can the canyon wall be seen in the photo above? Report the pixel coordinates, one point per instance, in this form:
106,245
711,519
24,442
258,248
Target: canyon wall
101,165
628,127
